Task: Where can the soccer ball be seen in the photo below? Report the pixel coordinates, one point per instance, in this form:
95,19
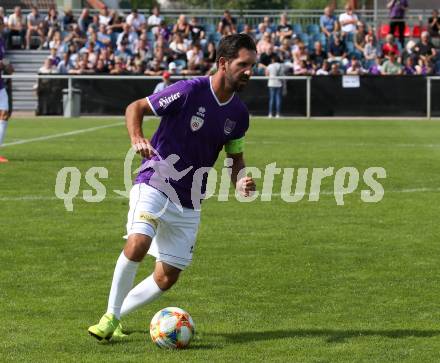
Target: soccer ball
172,328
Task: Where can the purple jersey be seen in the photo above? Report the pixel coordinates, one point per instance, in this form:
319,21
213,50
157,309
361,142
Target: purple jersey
397,10
195,126
2,55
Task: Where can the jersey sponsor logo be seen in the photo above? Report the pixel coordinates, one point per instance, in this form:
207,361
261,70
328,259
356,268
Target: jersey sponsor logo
196,123
164,102
229,126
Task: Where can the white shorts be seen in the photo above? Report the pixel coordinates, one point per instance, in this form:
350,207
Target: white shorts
173,231
4,101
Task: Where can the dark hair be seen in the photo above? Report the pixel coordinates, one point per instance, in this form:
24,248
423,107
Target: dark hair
230,45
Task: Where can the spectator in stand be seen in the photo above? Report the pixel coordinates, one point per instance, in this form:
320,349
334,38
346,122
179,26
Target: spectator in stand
65,65
285,51
264,43
335,70
265,59
337,51
179,47
209,55
124,52
409,51
267,24
397,18
155,19
182,27
75,36
119,67
47,67
35,26
355,68
155,67
162,32
376,68
424,68
409,69
275,85
54,58
318,56
52,24
348,21
128,36
17,26
360,38
197,32
116,22
434,24
104,16
194,57
227,23
370,51
390,46
324,70
135,20
284,29
68,20
95,23
164,84
247,29
391,66
101,67
84,20
103,36
142,49
328,22
5,33
425,50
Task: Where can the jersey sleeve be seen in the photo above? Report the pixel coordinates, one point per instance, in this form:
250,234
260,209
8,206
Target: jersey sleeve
169,100
236,144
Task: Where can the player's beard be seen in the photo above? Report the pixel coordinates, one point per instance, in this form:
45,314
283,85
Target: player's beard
237,84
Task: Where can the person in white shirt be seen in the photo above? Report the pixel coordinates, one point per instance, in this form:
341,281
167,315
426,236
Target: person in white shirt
154,19
275,85
17,26
136,20
348,20
104,16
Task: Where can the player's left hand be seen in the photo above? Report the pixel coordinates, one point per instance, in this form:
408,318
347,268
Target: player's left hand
246,186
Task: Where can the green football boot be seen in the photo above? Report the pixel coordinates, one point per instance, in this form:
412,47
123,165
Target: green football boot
105,328
119,332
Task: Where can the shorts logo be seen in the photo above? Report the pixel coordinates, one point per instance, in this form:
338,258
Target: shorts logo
148,218
229,126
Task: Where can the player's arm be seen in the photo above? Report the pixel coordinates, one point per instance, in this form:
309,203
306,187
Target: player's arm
234,150
134,115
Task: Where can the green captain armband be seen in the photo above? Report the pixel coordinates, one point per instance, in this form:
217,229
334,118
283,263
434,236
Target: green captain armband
235,146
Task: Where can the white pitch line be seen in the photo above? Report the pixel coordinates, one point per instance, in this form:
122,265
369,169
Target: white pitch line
30,198
55,136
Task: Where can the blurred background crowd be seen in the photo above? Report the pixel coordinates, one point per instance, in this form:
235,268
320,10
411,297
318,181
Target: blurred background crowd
109,42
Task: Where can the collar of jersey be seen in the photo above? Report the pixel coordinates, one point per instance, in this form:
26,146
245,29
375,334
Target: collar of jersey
215,96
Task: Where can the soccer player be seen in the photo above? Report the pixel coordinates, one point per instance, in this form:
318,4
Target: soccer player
4,101
199,117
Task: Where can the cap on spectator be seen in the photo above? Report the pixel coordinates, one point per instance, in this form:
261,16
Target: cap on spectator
166,75
172,66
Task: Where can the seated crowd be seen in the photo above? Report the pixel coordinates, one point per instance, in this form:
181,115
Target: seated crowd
110,43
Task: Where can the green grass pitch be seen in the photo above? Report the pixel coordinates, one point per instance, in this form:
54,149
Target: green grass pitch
270,281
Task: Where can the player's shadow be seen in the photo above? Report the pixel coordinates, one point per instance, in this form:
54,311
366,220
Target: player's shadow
331,335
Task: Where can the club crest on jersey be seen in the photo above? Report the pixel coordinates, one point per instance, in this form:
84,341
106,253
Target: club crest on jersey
196,123
229,126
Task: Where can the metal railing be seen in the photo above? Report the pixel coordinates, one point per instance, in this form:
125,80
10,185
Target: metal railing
308,80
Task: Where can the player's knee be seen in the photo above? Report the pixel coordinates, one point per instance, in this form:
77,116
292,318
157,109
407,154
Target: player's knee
165,281
137,246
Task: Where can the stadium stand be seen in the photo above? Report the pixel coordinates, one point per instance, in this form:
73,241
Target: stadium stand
107,41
